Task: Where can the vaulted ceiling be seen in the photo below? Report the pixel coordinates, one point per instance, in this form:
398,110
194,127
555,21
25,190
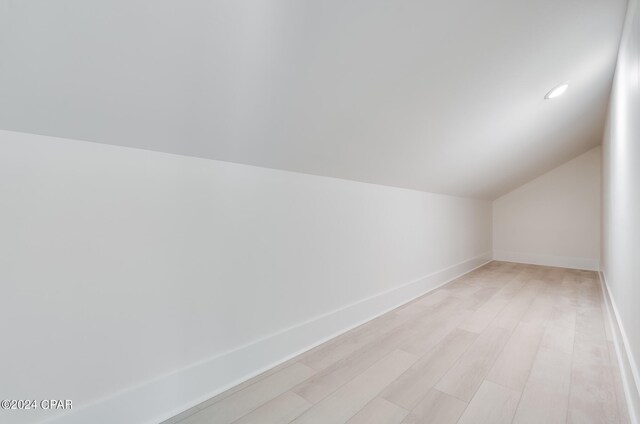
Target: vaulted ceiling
435,95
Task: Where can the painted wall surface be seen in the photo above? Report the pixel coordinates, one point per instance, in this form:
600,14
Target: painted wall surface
554,219
120,266
621,197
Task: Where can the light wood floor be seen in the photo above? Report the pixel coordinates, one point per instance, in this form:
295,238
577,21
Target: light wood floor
506,343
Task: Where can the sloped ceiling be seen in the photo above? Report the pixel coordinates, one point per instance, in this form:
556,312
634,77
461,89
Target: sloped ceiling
435,95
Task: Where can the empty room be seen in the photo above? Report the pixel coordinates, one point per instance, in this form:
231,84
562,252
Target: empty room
319,212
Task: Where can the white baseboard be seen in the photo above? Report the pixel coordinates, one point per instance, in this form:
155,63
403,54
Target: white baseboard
628,367
547,260
169,395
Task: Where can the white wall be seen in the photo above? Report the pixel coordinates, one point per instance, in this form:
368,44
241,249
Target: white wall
554,219
621,203
137,283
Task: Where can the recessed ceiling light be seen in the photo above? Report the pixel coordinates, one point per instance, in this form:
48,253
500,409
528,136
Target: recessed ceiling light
557,91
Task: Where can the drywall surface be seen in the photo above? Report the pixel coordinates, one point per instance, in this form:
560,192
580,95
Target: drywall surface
442,96
621,200
136,283
554,219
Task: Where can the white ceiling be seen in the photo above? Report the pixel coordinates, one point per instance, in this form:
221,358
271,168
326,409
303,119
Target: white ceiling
436,95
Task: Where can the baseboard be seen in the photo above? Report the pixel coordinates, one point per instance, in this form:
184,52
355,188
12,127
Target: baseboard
169,395
547,260
628,367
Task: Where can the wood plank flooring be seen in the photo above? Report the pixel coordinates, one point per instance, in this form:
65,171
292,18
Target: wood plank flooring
506,343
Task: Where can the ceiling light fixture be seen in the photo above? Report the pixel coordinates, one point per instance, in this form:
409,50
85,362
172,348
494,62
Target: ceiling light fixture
557,91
